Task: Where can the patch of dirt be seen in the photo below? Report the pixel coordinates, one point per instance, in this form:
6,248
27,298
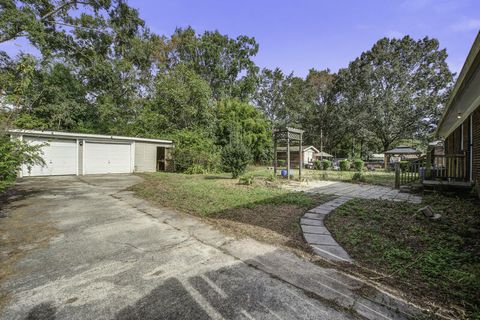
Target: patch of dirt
273,224
20,232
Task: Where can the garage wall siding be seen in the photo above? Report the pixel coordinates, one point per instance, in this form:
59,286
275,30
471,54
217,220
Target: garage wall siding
146,156
77,155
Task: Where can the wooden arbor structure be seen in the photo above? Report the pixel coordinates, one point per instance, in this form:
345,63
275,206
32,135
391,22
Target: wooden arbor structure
288,136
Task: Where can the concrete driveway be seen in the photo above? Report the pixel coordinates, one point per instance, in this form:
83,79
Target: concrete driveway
114,256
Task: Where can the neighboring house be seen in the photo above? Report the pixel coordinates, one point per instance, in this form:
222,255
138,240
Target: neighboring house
375,161
310,154
436,152
323,155
79,154
459,126
400,153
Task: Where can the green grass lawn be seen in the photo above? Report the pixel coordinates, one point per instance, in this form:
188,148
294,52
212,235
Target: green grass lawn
262,210
433,259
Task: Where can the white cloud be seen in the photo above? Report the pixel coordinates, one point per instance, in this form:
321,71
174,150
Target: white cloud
466,25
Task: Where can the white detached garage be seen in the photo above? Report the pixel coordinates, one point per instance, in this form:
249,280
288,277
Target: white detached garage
78,154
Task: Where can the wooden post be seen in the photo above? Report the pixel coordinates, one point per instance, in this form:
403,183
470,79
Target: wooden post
397,175
274,155
301,160
321,144
288,156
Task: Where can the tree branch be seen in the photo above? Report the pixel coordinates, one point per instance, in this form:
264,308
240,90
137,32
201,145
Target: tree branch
42,18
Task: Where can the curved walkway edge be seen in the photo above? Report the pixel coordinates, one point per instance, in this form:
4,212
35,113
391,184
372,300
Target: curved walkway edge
317,235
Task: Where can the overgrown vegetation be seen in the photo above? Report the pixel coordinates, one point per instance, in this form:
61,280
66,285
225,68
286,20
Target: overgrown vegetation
436,260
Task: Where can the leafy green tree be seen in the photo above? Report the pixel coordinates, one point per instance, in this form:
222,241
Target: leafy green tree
321,121
225,63
52,97
182,100
194,150
395,90
106,51
235,117
268,96
46,24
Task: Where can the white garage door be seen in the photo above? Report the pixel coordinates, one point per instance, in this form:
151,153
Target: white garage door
107,157
60,156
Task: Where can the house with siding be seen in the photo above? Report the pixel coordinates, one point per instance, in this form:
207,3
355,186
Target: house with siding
310,154
459,126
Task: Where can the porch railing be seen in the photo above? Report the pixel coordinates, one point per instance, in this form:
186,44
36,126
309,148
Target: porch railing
451,167
408,172
448,167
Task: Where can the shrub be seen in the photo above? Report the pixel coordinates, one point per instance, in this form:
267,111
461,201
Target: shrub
344,165
194,150
359,177
271,177
326,164
14,154
358,164
281,163
195,169
317,165
235,157
247,179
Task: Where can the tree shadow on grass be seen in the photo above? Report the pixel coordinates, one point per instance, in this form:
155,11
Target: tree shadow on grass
209,177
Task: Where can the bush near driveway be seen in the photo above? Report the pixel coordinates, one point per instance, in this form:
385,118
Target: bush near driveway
14,154
437,260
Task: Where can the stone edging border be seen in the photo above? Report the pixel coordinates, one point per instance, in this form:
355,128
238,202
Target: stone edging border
318,236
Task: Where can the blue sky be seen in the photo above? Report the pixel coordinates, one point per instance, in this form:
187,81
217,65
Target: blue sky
297,35
303,34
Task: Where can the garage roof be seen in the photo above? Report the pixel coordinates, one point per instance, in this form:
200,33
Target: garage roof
59,134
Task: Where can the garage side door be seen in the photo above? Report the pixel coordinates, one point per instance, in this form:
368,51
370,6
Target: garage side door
60,156
107,157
